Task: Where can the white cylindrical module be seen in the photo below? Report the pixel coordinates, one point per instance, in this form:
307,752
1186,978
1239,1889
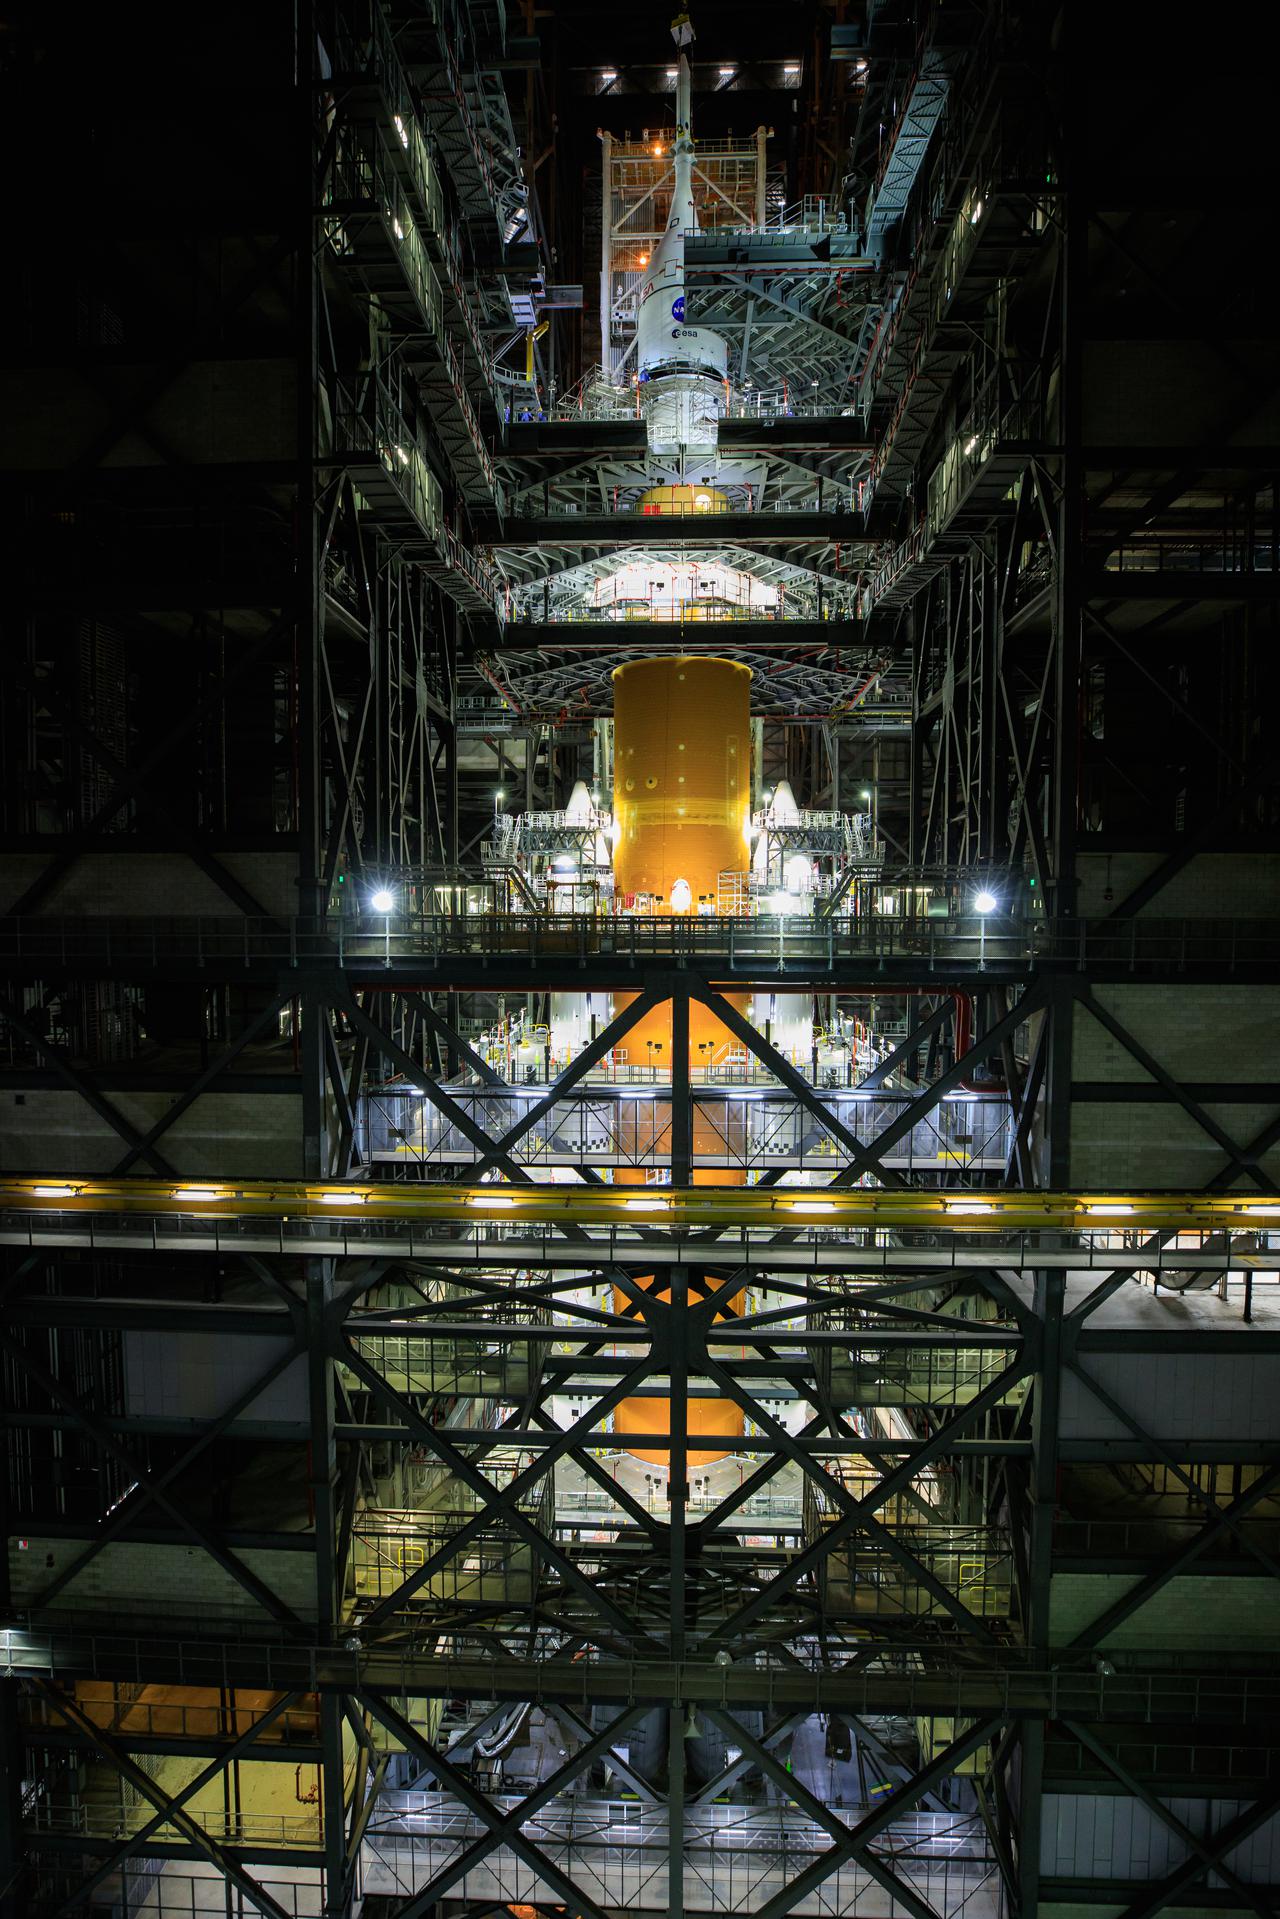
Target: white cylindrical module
681,367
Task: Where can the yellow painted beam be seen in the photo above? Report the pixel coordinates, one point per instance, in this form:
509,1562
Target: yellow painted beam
800,1207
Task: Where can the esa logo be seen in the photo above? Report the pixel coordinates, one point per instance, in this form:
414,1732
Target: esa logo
677,308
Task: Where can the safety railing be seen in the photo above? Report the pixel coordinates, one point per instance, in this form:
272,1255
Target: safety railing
631,938
973,1565
795,608
155,1718
450,1365
962,1133
734,1860
1227,1690
1235,550
387,1549
834,499
1142,1536
170,1888
225,1826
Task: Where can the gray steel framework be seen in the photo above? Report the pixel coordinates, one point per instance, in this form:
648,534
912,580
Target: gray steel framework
1007,611
710,1637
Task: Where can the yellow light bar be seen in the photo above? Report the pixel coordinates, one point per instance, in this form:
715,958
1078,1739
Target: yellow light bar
604,1207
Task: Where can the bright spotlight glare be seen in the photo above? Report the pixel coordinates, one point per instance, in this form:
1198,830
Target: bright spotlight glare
383,900
985,902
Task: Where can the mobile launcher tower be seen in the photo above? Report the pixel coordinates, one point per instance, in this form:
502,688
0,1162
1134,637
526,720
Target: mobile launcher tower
681,838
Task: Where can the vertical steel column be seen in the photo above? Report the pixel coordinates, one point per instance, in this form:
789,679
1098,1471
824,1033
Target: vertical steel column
606,249
1043,1494
678,1494
308,601
1056,1150
324,1495
681,1091
1073,269
13,1893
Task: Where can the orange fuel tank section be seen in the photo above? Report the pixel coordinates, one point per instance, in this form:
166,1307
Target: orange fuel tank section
681,778
682,809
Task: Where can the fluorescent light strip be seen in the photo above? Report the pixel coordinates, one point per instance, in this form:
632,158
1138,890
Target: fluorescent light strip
199,1192
648,1205
968,1206
1110,1211
498,1199
55,1192
343,1199
812,1206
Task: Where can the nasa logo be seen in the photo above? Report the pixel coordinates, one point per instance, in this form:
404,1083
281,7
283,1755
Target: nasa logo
677,308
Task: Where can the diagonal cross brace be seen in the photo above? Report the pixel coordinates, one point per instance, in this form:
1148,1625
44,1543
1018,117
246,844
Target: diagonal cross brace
590,1056
503,1828
1210,1854
192,1831
82,1085
867,1159
1157,1899
930,1024
103,1436
444,1104
200,1084
1238,1155
862,1155
854,1842
224,1760
857,1513
125,1515
495,1503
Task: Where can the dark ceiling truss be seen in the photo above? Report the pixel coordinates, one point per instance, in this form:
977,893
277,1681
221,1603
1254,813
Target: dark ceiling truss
769,480
802,566
578,684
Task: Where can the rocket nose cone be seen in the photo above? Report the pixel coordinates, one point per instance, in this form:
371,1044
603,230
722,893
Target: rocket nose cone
579,807
784,808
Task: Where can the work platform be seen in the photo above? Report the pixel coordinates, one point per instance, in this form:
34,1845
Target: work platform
523,952
546,440
690,636
763,528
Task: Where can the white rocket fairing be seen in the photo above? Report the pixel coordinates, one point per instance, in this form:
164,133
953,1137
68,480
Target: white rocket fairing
682,367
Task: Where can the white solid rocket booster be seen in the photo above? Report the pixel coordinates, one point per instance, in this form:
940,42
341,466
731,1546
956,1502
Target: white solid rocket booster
682,367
